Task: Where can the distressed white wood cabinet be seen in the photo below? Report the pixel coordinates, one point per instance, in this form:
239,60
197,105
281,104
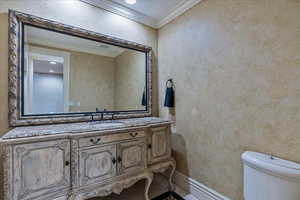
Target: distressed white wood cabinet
159,144
39,168
58,162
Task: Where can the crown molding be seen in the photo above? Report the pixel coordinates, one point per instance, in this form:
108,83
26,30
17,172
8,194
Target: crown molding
140,17
179,10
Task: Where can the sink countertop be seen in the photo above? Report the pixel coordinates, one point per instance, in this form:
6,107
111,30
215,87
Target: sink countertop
73,128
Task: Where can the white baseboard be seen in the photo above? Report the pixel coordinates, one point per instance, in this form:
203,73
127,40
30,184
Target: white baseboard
198,190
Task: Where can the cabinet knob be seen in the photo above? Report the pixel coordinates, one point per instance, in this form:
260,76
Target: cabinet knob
67,163
114,161
134,134
119,159
95,141
149,146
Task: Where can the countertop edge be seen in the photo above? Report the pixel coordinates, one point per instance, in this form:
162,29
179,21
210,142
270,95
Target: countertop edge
70,135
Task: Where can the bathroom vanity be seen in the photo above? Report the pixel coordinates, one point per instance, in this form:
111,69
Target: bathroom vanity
84,160
80,111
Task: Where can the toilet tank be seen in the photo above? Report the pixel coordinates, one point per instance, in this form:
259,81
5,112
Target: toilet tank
270,178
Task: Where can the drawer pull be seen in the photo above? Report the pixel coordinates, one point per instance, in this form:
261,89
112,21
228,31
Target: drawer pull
119,159
134,134
149,146
67,163
95,141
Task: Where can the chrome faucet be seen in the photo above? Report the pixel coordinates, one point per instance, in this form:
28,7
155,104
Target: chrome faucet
96,114
102,114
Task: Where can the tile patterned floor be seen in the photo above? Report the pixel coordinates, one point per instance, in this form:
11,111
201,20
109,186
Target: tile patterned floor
185,195
169,196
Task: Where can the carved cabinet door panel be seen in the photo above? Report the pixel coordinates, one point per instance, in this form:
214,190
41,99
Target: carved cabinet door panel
132,156
97,164
40,169
159,147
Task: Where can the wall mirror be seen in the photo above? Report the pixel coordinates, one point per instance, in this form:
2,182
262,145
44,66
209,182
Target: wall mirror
60,73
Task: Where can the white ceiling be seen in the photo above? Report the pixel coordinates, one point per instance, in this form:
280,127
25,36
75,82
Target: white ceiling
153,8
154,13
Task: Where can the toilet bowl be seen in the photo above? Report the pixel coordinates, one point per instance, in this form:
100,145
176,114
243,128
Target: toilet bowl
270,178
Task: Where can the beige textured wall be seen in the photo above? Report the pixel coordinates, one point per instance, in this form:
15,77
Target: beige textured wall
3,84
76,13
3,74
92,80
130,80
236,65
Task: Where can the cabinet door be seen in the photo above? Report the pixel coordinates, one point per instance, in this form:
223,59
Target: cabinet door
40,169
97,164
132,156
159,147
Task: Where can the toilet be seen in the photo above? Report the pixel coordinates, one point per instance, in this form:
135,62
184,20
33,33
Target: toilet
270,178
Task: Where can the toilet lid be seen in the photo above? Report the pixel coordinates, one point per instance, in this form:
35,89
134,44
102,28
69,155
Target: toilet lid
277,161
274,165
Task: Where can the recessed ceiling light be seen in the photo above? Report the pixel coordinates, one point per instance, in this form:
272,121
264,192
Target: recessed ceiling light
52,63
130,1
51,71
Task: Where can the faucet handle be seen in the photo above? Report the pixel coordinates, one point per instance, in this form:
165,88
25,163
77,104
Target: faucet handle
92,116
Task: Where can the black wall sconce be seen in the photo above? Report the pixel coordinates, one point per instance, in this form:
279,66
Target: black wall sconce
170,94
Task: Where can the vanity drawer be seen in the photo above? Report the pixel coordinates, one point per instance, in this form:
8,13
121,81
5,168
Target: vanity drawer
96,140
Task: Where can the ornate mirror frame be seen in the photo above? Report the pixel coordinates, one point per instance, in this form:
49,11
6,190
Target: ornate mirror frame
17,21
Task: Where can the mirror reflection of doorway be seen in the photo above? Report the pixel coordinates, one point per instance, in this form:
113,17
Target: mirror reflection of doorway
48,91
46,81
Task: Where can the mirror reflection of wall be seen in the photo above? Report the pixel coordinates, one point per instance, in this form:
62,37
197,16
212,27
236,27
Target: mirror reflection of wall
128,87
67,74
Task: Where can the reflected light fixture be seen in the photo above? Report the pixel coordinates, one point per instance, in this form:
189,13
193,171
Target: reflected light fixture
52,63
51,71
130,1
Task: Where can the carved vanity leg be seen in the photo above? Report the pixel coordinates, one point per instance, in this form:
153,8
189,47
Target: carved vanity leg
173,166
148,184
162,167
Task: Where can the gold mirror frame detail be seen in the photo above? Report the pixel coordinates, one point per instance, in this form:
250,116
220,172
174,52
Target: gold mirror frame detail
16,21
